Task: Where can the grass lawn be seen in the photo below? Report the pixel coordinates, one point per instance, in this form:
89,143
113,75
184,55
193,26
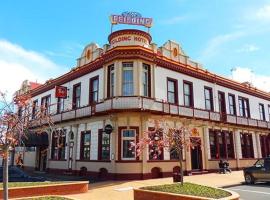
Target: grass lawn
190,189
25,184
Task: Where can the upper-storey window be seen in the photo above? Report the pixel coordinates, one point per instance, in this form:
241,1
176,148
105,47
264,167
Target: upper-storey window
60,105
188,94
93,98
146,80
45,103
110,83
262,112
208,96
76,102
172,95
243,107
232,106
269,112
127,79
34,109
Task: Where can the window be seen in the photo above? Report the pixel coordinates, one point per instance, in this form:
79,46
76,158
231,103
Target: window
128,139
34,109
232,107
104,146
208,96
188,94
85,145
76,96
174,155
269,112
110,83
155,152
45,103
265,145
127,79
60,105
93,90
221,144
172,95
146,80
262,112
243,107
58,145
246,145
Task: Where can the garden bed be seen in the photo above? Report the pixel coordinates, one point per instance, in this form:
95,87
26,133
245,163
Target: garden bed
19,190
188,191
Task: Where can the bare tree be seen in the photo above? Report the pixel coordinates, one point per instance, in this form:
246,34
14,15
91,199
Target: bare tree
18,118
161,136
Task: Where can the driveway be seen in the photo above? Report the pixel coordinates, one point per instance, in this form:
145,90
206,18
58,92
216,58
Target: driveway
123,190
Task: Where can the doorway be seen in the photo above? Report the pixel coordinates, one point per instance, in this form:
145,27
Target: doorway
41,164
196,157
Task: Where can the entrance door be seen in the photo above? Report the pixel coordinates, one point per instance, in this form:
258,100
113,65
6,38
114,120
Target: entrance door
42,158
196,158
222,104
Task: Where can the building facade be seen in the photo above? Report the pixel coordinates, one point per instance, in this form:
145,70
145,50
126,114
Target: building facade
127,83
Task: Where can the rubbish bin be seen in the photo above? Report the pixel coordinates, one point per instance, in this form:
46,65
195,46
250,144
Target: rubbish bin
176,177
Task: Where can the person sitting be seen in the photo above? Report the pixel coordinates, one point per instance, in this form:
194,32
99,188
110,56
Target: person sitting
226,166
221,165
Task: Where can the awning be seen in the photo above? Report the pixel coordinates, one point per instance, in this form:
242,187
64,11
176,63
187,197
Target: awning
35,140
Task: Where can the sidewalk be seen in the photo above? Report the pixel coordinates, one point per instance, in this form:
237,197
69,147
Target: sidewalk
123,190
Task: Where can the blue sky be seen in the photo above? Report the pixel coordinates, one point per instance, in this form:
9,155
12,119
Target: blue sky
42,39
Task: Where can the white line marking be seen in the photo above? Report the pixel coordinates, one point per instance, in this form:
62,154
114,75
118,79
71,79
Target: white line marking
267,193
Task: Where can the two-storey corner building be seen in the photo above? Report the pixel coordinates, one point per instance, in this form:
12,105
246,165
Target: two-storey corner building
130,81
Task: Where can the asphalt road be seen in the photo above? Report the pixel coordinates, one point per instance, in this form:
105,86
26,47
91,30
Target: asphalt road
260,191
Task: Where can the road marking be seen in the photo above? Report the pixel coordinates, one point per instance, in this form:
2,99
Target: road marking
124,189
267,193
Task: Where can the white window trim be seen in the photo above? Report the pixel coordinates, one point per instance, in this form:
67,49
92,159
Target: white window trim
127,138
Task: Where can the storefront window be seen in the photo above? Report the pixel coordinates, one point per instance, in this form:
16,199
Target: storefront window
104,146
58,145
85,145
128,139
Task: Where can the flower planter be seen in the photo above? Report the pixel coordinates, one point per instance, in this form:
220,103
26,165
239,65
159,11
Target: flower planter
140,194
53,189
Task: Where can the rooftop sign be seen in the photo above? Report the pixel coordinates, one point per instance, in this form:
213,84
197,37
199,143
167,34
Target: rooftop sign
132,18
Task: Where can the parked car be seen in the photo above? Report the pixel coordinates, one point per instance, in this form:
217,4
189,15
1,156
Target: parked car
260,171
17,175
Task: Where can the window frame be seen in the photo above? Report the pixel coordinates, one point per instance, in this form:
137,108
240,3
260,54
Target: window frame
100,145
92,91
82,147
60,105
34,108
233,106
244,109
190,96
146,70
47,101
129,82
262,111
209,100
175,92
110,82
75,97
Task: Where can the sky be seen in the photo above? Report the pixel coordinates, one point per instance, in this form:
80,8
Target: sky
40,40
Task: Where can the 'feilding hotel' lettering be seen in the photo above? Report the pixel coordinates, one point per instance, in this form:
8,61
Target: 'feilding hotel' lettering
128,38
120,19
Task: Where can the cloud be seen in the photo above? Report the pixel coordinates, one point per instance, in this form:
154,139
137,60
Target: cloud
248,48
244,74
18,64
263,13
215,44
173,20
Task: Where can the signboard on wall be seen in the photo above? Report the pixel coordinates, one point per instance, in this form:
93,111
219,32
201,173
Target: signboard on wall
60,92
131,18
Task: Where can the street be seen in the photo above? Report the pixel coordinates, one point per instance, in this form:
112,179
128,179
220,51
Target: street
253,192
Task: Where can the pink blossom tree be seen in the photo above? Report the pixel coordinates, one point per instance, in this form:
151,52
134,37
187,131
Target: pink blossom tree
162,136
16,121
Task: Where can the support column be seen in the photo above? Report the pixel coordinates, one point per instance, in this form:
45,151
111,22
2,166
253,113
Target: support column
259,149
237,147
206,145
255,146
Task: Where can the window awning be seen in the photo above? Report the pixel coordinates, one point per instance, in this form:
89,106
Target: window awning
35,140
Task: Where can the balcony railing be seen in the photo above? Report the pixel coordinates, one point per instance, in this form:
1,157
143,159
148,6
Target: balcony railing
135,103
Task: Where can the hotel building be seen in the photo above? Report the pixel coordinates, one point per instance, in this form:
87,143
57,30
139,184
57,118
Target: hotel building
129,82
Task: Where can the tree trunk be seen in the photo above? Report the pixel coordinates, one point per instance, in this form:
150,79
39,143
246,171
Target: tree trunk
5,176
181,167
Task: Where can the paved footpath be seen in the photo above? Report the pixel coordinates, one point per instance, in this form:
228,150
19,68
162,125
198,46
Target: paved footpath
123,190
